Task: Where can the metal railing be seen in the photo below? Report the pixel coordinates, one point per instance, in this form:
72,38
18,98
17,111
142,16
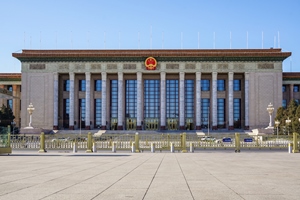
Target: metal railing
143,142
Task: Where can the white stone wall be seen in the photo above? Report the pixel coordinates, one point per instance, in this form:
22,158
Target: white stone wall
37,88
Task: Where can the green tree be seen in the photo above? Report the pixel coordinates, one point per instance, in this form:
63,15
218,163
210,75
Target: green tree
292,112
6,116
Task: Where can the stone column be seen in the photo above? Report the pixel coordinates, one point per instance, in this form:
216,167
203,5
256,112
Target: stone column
291,92
87,100
16,104
72,100
103,100
246,101
120,101
181,101
198,101
214,101
162,100
230,101
55,102
139,101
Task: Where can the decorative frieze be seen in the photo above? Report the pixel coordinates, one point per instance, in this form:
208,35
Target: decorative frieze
79,66
63,67
223,66
112,66
38,66
129,66
239,66
265,66
95,66
206,66
190,66
172,66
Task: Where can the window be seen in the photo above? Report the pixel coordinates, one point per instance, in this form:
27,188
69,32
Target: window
10,88
98,113
205,104
284,88
82,84
82,113
236,85
67,85
189,98
221,113
296,88
221,85
10,104
237,112
172,99
205,85
114,98
151,98
284,103
297,101
66,111
98,85
131,98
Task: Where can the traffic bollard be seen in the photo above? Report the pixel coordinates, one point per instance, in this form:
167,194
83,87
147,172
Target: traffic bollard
152,147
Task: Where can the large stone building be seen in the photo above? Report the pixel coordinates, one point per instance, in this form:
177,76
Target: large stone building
152,89
10,94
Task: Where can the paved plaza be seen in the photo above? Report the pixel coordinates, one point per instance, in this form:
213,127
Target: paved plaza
207,174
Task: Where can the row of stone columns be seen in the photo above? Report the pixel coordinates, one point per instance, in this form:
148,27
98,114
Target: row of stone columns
163,100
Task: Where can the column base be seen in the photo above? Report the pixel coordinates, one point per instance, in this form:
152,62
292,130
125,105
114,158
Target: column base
103,127
71,127
198,128
162,128
214,128
230,128
55,127
181,128
87,128
120,127
246,128
138,127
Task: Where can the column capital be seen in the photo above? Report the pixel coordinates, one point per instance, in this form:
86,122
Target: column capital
120,75
247,74
55,74
163,75
103,75
181,75
88,75
198,75
230,75
139,75
72,75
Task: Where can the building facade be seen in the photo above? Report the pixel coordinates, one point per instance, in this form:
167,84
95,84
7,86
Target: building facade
151,89
11,83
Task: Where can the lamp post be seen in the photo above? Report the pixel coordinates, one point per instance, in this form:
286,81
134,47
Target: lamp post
288,121
277,124
270,110
13,126
30,110
208,122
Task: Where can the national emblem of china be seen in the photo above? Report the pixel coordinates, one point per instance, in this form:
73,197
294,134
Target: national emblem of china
150,63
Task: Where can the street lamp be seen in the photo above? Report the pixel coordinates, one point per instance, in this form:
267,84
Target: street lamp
30,110
288,121
13,126
277,124
270,110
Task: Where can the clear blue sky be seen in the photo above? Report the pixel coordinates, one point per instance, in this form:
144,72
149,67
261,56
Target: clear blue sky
156,24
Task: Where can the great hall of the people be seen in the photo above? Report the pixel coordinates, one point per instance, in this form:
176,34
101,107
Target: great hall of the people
149,89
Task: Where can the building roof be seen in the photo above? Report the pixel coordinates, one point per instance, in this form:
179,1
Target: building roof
291,75
160,55
10,77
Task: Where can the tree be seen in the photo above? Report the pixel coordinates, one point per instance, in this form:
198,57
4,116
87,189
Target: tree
6,116
293,113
